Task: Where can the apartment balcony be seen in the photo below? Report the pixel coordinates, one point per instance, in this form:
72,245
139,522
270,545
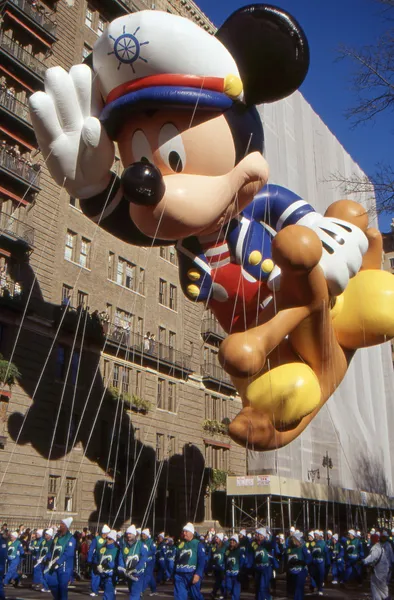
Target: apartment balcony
15,234
22,176
15,116
11,295
21,60
137,349
214,375
35,16
126,6
70,319
211,331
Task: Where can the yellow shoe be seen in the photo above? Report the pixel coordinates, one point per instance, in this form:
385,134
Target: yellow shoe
286,394
364,314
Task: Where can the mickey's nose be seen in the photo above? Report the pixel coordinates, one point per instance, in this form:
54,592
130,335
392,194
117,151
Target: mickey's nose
143,183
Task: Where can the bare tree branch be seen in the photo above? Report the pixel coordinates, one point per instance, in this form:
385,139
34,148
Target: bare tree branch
379,186
373,83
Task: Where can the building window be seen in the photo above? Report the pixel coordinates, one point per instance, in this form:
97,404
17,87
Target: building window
86,50
162,291
67,292
140,326
89,17
163,251
115,376
162,335
53,487
125,272
82,299
125,380
171,445
100,25
159,446
124,319
171,397
172,339
141,282
173,297
120,271
106,371
84,256
69,495
217,458
69,251
74,366
160,393
130,276
111,264
391,263
166,395
172,255
138,383
60,362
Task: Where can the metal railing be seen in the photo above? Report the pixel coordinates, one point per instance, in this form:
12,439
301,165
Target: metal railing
215,372
37,14
10,289
210,326
11,103
20,167
135,342
15,228
22,55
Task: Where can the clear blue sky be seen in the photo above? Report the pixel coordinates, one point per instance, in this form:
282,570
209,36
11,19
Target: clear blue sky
327,87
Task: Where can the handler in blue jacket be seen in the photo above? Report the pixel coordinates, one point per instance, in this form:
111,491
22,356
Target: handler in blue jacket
93,559
298,558
15,553
3,562
132,562
234,561
107,565
189,566
61,562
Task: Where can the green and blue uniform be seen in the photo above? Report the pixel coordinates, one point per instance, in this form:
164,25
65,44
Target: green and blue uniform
132,561
262,571
234,562
60,572
93,558
108,561
149,578
297,560
15,553
189,561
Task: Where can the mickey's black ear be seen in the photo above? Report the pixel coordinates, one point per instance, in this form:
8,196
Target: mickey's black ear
270,49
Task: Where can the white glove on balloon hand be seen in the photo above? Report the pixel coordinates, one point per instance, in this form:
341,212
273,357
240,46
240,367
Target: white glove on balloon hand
344,245
77,150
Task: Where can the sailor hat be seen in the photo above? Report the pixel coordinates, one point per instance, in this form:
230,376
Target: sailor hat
152,58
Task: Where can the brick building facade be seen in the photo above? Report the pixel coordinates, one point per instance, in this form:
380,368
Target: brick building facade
105,423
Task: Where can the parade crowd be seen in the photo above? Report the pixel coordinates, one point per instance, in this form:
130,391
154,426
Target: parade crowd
140,561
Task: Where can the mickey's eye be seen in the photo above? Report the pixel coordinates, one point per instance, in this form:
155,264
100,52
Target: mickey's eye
141,148
171,148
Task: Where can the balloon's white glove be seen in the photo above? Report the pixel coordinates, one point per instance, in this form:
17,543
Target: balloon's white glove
76,148
100,569
344,245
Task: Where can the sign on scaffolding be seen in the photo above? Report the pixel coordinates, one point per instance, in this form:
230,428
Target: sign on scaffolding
263,480
245,481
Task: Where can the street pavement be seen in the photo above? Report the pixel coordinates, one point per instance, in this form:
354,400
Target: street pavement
82,588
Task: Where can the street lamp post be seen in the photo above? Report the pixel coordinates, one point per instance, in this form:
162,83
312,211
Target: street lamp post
327,463
313,474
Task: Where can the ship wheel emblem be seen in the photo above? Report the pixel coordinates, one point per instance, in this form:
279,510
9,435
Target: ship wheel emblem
127,48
